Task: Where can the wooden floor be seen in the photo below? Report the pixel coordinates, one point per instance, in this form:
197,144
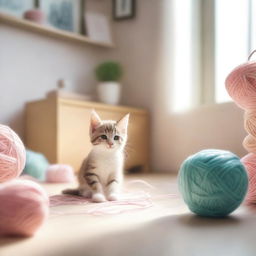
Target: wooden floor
166,228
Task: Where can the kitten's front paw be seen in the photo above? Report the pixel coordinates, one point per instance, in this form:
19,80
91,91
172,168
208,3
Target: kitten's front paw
113,197
98,198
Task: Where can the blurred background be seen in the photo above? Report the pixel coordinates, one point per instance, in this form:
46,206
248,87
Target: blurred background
174,56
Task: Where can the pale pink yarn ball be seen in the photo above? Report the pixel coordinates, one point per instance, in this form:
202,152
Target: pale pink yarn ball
250,122
241,85
60,173
249,144
24,207
12,154
249,162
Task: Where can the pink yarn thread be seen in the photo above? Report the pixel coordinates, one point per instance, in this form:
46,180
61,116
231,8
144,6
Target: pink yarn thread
241,85
24,207
128,202
60,173
12,154
57,200
119,207
143,182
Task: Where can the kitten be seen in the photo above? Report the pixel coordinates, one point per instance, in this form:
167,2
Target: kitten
101,174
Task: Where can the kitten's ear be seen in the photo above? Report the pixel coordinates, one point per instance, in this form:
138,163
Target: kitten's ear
95,121
122,124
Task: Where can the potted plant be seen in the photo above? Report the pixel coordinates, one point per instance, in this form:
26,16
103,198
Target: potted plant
109,89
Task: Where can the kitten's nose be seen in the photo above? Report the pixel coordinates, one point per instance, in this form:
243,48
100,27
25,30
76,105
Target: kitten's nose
110,144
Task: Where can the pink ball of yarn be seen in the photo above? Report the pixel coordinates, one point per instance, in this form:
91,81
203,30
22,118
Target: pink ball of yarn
249,144
24,207
250,122
249,162
60,173
12,154
241,85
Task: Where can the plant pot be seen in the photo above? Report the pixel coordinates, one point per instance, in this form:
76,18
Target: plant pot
109,92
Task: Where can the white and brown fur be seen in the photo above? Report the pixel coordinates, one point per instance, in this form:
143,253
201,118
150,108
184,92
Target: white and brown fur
101,174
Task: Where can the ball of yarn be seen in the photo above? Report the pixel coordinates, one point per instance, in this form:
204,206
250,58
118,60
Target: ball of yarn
249,162
250,122
249,143
213,182
60,173
12,154
241,85
24,207
36,165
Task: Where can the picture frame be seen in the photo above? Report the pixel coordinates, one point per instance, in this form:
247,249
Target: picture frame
123,9
98,27
64,14
16,7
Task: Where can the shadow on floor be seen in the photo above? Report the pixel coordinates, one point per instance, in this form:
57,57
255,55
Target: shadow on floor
180,235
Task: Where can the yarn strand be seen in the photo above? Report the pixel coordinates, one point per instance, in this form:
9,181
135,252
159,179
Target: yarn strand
251,54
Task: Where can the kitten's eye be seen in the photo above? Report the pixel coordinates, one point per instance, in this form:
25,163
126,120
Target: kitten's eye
104,137
116,137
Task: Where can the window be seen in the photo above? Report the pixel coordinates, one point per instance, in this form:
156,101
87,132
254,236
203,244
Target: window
232,40
210,38
186,42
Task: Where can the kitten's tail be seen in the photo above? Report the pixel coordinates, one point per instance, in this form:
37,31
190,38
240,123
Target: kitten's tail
71,191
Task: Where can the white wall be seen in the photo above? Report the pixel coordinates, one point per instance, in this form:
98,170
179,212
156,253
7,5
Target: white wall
176,136
145,47
136,41
31,64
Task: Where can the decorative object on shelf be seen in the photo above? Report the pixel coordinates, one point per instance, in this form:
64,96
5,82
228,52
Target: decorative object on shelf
109,89
35,15
63,14
63,93
124,9
16,7
98,27
49,31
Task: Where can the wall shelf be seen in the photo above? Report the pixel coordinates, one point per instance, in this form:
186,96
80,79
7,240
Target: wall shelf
49,31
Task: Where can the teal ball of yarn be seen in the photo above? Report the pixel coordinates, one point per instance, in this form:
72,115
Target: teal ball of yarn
213,182
36,165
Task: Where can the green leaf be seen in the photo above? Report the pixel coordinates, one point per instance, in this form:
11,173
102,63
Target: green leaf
108,71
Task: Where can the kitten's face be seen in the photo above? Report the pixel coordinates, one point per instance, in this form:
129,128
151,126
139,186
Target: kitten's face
108,135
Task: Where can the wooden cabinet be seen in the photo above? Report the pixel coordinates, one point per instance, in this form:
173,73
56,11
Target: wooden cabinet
59,128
